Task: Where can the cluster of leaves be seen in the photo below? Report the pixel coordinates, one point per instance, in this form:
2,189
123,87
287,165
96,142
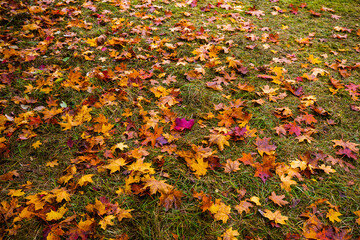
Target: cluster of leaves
95,102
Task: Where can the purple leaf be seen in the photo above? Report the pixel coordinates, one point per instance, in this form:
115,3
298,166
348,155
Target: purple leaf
162,141
182,123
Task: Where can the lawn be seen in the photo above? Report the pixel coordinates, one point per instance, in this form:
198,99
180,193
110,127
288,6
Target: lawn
165,119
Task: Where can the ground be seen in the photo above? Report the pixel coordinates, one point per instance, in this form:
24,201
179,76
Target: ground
217,119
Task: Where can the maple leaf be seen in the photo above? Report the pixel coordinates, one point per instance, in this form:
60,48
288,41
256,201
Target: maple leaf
115,165
286,182
106,221
264,147
120,146
246,159
333,215
293,128
61,194
156,186
220,210
313,60
230,234
274,216
200,167
151,137
309,118
255,200
16,193
326,169
84,180
9,175
123,213
86,225
171,198
182,123
350,145
231,166
52,163
244,206
36,145
140,166
357,213
56,215
254,12
219,139
278,199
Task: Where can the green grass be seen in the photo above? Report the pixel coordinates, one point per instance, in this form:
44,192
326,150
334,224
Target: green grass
161,52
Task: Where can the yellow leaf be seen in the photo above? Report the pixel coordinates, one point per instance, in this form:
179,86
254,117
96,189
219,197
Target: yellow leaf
86,225
61,194
106,221
52,163
200,167
122,213
91,42
120,146
115,165
230,234
220,140
357,213
120,191
333,215
275,216
16,193
313,60
327,169
84,180
255,200
32,26
36,144
220,210
56,215
243,206
24,214
157,186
